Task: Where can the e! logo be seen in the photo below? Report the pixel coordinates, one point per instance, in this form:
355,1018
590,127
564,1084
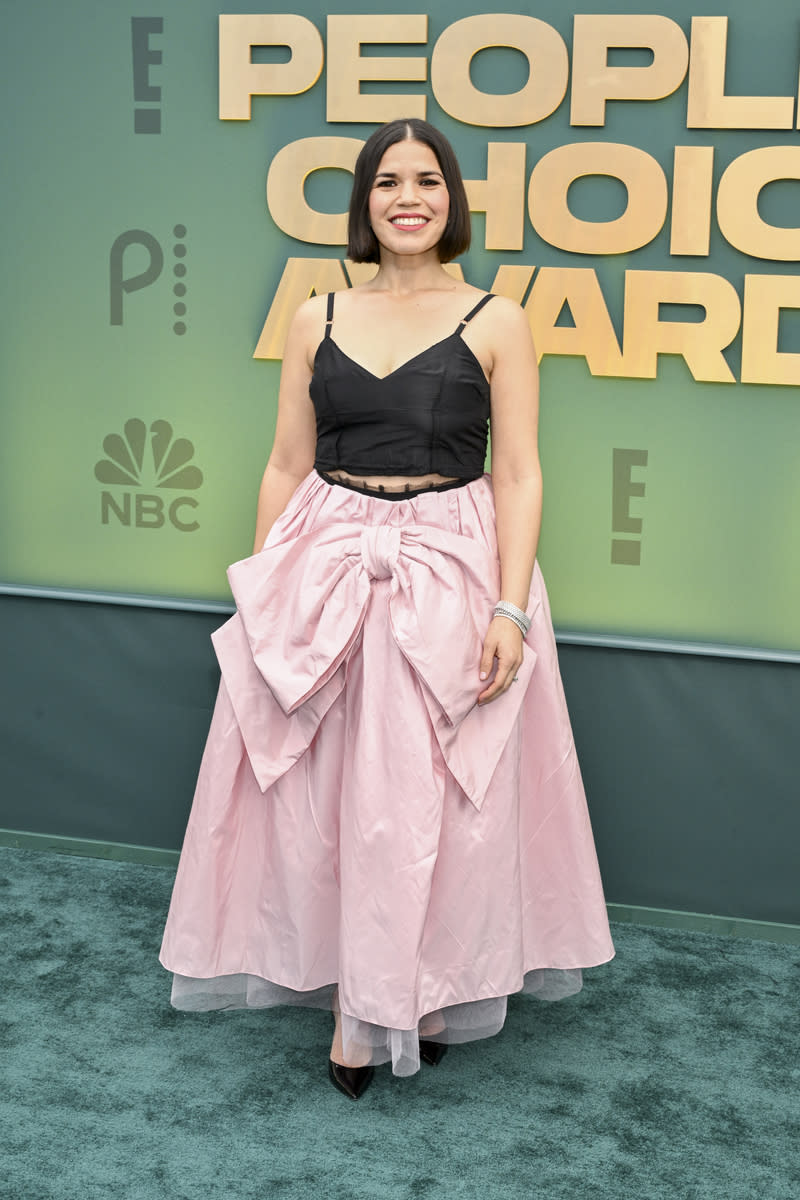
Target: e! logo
168,466
145,120
626,551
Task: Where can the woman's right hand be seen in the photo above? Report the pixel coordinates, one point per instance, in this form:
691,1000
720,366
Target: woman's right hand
503,643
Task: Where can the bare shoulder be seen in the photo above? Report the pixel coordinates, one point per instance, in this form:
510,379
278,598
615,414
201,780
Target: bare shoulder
508,333
506,317
310,315
307,327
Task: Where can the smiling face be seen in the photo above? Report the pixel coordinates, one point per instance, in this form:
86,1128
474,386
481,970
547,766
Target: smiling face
408,202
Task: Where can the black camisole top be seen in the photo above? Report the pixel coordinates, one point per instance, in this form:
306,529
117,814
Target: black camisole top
428,416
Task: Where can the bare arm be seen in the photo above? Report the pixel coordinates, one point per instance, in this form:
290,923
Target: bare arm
292,455
517,483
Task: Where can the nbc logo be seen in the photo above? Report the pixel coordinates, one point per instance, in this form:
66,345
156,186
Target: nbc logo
128,465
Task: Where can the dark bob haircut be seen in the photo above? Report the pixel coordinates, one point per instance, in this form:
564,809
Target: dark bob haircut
362,245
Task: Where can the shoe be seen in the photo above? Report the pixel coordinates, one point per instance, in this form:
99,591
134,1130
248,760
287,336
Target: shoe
353,1081
432,1052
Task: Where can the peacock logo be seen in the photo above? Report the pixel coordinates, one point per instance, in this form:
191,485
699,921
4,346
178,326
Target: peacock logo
153,459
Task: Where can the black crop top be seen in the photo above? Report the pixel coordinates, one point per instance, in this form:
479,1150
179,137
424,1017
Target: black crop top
428,416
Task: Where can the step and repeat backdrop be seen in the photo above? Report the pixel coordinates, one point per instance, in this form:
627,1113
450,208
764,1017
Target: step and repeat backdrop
175,179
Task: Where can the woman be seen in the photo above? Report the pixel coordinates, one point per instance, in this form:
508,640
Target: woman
389,819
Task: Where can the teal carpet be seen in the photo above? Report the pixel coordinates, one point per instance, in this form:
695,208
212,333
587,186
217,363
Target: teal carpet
673,1076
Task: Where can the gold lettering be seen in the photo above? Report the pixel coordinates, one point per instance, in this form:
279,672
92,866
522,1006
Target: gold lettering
286,179
765,297
548,70
592,337
644,215
737,203
700,343
501,195
594,81
692,181
239,78
707,105
347,68
513,280
302,277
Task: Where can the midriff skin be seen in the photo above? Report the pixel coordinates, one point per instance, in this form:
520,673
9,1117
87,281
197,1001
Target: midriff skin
391,483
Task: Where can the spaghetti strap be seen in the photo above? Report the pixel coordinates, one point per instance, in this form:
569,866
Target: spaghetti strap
329,316
483,300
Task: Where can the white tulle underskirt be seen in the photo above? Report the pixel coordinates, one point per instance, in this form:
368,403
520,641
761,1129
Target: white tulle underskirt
363,1042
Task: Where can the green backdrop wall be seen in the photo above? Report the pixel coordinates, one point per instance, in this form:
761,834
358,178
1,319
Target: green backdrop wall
690,761
141,266
120,175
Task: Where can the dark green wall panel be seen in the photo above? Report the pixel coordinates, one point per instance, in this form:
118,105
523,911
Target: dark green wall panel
691,763
104,715
692,768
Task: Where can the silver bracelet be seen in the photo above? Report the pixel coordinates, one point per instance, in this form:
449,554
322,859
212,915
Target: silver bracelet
517,615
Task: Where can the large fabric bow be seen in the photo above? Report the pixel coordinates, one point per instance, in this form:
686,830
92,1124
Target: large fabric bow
301,606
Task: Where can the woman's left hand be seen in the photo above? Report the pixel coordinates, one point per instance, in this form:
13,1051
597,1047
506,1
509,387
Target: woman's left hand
504,643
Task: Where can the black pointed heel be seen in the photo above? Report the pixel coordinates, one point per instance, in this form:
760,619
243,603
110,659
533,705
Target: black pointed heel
432,1052
352,1081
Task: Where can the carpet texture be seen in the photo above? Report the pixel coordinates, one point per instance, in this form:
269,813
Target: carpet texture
673,1076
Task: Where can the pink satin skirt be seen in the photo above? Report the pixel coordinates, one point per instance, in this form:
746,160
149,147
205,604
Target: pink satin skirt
363,836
